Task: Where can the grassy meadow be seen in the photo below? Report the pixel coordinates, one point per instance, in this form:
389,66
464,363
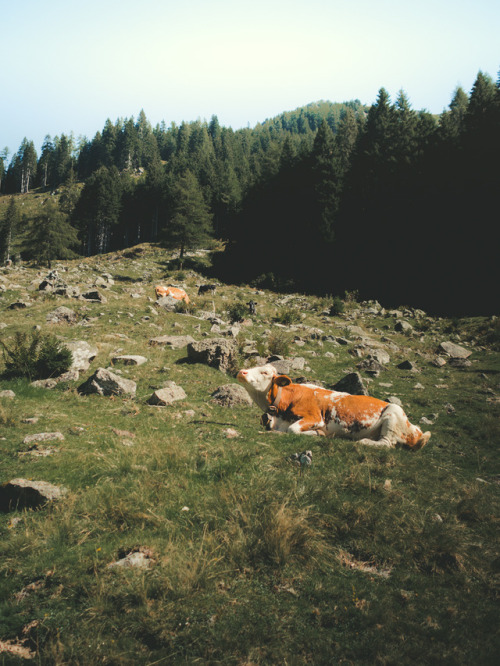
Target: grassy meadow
371,556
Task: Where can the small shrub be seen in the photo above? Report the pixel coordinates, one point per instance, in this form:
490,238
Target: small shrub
237,311
287,316
337,306
182,307
36,356
278,343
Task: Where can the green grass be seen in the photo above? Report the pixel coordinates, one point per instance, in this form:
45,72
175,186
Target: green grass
369,557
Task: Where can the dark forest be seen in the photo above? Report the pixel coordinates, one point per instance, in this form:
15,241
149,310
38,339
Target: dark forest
384,201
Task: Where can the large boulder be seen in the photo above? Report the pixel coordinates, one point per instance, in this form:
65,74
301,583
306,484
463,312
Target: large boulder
351,383
104,382
453,350
231,394
220,353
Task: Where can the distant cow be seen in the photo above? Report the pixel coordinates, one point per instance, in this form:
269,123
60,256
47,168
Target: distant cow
252,307
174,292
311,410
206,288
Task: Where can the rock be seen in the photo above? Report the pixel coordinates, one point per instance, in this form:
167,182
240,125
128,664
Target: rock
167,395
127,359
83,353
379,355
20,305
231,394
104,382
394,400
172,341
403,326
44,437
459,363
220,353
95,296
52,382
138,558
370,366
7,394
407,365
168,303
287,366
231,433
28,494
439,361
351,383
453,350
61,315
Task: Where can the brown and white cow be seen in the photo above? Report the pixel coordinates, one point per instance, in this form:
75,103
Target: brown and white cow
312,410
174,292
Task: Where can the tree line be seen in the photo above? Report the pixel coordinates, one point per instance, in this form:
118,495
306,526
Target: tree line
393,203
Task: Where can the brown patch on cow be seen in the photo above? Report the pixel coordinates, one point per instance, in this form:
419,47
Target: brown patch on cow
357,412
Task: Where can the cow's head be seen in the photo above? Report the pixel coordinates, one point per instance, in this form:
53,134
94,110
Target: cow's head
257,382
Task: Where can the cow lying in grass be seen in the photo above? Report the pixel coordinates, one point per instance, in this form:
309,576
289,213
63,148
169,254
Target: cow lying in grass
174,292
311,410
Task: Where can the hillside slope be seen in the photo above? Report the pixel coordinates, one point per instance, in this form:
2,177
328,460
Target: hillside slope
184,533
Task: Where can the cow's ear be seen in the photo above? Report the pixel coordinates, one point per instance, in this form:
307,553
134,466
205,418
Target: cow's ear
282,380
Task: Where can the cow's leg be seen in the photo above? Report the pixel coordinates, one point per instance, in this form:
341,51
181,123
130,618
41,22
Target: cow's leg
389,422
307,427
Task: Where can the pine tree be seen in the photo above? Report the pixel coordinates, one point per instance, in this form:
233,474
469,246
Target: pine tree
50,236
46,161
98,209
190,224
28,162
8,228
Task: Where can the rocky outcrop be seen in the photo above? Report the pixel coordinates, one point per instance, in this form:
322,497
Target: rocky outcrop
105,383
219,353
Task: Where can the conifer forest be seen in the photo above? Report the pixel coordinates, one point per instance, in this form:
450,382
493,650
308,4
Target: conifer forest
385,201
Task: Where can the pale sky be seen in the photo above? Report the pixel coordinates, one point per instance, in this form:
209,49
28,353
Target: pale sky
67,66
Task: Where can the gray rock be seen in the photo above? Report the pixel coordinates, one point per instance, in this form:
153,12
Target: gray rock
104,382
172,341
394,400
370,366
168,303
7,394
167,395
28,494
95,296
61,315
220,353
20,305
453,350
351,383
52,382
139,558
403,326
231,394
44,437
83,354
288,366
128,359
407,365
